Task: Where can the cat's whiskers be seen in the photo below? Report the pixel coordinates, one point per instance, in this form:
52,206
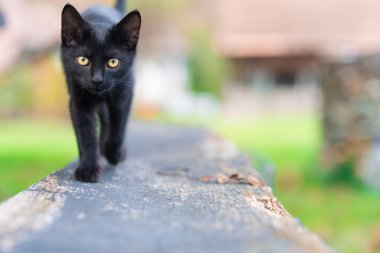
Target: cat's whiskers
121,84
118,92
83,90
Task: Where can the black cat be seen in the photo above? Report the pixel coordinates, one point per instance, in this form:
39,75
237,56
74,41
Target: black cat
98,51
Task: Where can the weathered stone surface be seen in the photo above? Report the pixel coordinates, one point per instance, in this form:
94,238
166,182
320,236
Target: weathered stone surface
155,202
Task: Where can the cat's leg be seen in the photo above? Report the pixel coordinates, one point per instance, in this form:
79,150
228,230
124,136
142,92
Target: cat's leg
119,113
104,126
84,120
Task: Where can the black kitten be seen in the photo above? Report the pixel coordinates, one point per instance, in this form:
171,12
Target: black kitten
98,50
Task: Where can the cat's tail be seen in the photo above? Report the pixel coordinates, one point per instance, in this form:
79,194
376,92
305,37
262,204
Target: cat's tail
120,6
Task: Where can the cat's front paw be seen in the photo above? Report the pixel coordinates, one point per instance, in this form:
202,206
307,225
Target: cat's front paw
87,175
114,156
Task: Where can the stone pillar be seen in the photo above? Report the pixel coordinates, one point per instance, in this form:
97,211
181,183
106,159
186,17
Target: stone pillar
351,112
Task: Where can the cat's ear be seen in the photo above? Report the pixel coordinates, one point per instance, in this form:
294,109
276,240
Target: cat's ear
73,26
128,29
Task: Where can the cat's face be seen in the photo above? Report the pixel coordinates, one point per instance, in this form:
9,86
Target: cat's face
98,58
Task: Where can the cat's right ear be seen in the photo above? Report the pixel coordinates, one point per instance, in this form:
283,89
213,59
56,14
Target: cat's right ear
73,26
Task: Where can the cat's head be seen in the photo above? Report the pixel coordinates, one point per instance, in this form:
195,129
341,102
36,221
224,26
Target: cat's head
100,57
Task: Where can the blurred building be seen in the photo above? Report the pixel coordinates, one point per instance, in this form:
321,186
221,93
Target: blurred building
294,49
273,44
32,28
288,36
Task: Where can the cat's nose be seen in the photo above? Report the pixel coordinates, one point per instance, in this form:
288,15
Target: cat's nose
97,79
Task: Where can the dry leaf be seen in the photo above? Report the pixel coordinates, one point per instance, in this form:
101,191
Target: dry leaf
235,178
221,178
254,181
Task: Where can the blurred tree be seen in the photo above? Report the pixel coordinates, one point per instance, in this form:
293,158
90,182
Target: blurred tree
207,69
15,91
48,86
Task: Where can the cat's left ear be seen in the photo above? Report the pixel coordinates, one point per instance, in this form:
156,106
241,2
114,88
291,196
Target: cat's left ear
128,29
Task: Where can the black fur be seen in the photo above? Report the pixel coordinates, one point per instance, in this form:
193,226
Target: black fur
100,34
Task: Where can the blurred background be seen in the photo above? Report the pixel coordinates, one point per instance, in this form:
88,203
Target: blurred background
294,84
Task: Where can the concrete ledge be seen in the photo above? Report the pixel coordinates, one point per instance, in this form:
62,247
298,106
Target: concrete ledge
173,194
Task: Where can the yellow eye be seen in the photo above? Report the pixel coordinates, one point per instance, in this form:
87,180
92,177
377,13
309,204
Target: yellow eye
83,60
113,63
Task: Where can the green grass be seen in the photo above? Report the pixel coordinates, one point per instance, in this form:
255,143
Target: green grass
346,215
291,141
30,150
